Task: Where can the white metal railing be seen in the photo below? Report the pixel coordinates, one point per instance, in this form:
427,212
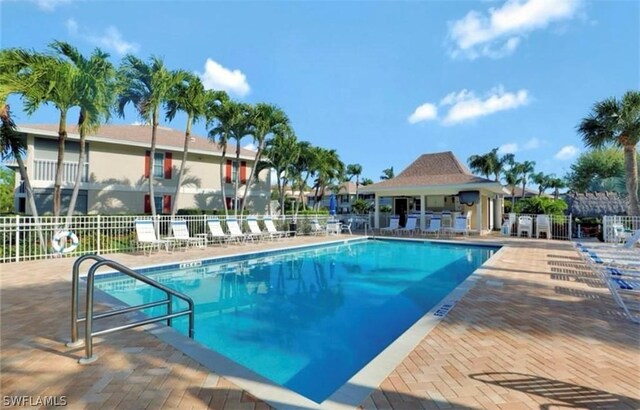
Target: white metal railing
45,170
612,224
560,226
25,238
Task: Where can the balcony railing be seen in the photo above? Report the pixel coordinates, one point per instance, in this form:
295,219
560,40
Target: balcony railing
45,170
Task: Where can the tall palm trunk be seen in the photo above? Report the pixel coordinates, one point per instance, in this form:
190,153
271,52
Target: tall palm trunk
152,160
247,189
81,155
223,181
237,181
32,201
185,152
57,186
631,169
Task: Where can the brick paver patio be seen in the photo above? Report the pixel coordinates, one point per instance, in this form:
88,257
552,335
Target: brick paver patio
538,331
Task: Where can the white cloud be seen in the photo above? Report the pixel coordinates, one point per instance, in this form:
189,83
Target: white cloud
500,32
509,148
217,77
567,152
110,40
250,147
466,106
533,143
425,112
50,5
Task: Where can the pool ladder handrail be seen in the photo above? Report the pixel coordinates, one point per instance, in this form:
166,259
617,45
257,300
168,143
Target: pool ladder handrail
89,316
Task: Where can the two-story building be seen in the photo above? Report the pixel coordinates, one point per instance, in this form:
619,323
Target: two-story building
115,174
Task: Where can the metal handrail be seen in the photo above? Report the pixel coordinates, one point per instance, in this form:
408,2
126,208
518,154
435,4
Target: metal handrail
89,317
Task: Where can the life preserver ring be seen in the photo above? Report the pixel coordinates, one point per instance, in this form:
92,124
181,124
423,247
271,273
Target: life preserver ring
57,238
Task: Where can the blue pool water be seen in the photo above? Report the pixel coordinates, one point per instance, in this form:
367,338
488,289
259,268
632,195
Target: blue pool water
310,319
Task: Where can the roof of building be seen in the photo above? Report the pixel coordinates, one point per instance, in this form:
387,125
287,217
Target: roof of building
345,188
528,192
140,134
596,204
440,168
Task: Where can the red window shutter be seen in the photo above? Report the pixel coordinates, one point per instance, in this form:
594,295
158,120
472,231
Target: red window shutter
166,204
147,163
243,172
228,172
167,165
147,203
228,201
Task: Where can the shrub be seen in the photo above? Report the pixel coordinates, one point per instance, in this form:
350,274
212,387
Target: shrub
361,206
385,208
540,205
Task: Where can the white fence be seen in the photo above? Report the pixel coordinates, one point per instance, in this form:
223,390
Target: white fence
45,170
560,226
611,224
23,238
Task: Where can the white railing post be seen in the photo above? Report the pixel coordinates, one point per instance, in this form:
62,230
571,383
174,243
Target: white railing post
98,238
570,233
17,238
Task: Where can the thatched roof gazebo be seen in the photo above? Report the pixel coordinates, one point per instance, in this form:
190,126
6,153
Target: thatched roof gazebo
596,204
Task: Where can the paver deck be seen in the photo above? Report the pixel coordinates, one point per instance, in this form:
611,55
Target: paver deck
537,331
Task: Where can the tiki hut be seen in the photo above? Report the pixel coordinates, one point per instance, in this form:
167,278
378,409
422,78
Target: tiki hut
596,204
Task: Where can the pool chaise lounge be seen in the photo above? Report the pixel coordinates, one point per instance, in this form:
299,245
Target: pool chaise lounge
146,236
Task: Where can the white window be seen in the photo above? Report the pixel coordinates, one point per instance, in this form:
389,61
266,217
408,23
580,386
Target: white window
157,199
158,165
234,171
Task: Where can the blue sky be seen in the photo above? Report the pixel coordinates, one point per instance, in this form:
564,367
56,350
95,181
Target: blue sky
381,82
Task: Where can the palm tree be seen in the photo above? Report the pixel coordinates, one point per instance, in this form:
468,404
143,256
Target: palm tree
501,164
241,127
280,154
512,178
354,170
366,181
301,170
190,97
542,180
266,119
556,184
95,97
481,164
327,168
147,87
525,169
617,122
387,173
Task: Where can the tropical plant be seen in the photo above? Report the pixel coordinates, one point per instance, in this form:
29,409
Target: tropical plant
366,181
524,169
361,206
595,165
617,122
95,87
556,184
512,178
542,180
354,170
280,153
387,173
327,168
301,170
481,164
539,205
190,97
266,120
241,127
148,87
7,185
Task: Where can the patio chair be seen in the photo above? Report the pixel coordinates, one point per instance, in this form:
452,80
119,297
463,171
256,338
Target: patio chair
181,234
525,224
271,228
410,227
333,226
235,232
346,227
625,291
543,224
446,221
435,226
216,233
619,233
460,225
254,229
394,224
146,236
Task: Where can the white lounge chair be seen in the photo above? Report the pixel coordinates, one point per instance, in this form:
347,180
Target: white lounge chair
525,224
461,226
409,227
317,229
394,224
625,291
333,226
543,224
146,236
271,228
235,232
344,228
435,226
216,233
254,229
181,234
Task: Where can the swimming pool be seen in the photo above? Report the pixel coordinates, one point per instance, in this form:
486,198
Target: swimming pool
310,319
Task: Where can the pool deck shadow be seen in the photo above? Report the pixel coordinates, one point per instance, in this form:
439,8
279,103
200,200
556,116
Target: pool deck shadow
518,321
